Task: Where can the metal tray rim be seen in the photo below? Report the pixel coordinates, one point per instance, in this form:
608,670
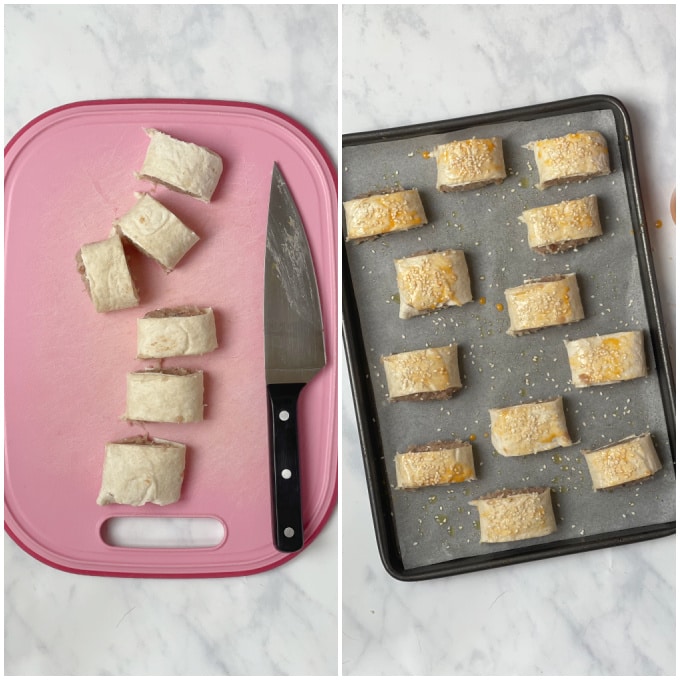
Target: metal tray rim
353,341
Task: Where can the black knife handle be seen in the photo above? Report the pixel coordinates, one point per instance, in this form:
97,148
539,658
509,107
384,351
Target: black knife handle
285,466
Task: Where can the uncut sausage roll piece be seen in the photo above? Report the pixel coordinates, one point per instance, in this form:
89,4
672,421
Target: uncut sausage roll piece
540,303
630,460
562,226
142,470
156,232
515,515
176,331
606,359
526,429
571,158
431,281
172,395
423,374
383,213
104,270
469,164
435,464
181,166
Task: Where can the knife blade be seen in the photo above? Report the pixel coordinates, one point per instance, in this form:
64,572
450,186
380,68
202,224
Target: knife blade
294,353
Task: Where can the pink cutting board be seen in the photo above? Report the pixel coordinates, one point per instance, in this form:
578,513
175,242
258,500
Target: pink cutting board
68,174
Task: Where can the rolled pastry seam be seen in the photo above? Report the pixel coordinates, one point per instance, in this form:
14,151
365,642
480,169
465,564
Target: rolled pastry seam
606,359
142,470
181,166
431,281
176,331
379,214
156,232
469,164
104,270
435,464
629,460
423,374
540,303
562,226
526,429
571,158
515,515
173,395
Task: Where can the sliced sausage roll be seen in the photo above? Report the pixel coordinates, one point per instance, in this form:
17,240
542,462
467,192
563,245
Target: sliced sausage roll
630,460
435,464
104,270
423,374
540,303
379,214
142,470
562,226
176,331
571,158
515,514
156,232
529,428
181,166
606,359
469,164
431,281
173,395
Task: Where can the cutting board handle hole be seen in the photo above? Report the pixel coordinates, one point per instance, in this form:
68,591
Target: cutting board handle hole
163,532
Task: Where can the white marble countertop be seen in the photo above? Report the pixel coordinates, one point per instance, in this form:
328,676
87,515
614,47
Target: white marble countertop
280,622
606,612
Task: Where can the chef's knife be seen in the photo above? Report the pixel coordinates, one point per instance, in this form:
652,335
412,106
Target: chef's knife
294,352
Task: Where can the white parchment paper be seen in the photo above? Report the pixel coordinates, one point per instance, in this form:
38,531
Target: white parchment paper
437,524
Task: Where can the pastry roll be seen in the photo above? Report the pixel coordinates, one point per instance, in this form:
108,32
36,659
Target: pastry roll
435,464
181,166
540,303
571,158
606,359
156,232
430,281
176,331
383,213
529,428
559,227
630,460
173,395
142,470
469,164
422,374
515,514
104,270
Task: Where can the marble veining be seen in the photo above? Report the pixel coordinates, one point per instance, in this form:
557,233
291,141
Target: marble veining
277,56
280,622
606,612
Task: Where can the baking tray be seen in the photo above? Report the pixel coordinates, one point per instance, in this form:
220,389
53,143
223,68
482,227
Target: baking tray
434,532
68,174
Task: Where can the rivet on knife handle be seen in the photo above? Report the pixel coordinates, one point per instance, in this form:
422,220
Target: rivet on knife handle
294,351
285,466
